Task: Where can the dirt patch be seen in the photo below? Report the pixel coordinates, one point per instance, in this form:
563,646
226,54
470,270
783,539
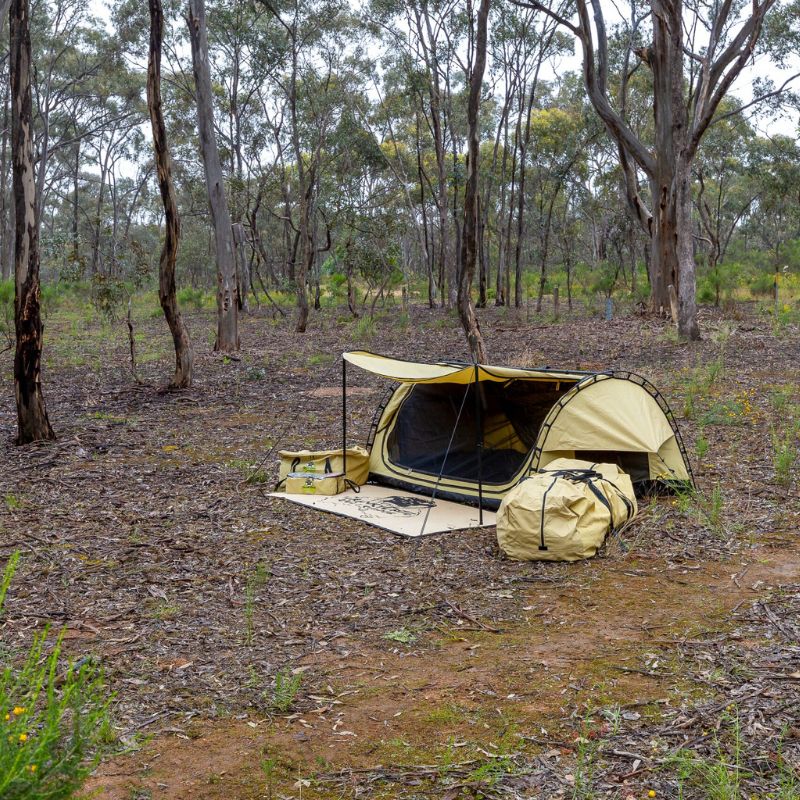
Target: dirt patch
582,648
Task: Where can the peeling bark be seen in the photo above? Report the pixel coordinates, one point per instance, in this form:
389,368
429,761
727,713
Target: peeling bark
32,421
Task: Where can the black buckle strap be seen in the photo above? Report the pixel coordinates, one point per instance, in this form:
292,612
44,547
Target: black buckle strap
543,546
589,477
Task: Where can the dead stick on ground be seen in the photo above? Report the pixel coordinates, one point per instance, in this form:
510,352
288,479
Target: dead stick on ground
472,619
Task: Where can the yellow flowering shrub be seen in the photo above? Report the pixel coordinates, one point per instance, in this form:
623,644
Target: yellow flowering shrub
53,719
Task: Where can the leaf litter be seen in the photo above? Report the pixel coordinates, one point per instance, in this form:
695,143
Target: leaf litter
140,533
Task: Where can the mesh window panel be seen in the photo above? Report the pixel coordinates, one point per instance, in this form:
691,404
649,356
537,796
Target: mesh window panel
511,414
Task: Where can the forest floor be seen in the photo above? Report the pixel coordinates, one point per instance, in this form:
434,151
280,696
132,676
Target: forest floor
409,668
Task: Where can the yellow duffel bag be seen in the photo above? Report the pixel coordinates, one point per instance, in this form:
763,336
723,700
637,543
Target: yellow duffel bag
565,512
326,461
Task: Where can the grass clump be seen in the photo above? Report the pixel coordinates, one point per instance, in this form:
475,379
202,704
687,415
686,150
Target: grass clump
256,581
585,765
701,447
365,328
784,457
285,690
319,359
54,719
708,508
699,384
717,776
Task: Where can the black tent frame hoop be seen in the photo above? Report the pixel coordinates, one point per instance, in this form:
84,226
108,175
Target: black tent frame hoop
595,377
378,415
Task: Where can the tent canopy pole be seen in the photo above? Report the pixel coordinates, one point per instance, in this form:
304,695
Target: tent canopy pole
479,443
344,417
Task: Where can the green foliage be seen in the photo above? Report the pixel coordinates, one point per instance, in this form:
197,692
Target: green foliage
319,359
7,310
285,690
707,509
785,456
401,635
365,329
730,411
720,283
714,505
255,374
256,580
585,764
715,777
762,285
54,719
699,383
701,447
189,297
13,502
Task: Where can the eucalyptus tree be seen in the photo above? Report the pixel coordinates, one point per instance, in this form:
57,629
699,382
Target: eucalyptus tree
695,54
509,26
73,65
227,285
559,141
423,39
309,90
774,218
725,190
32,420
184,357
364,194
476,55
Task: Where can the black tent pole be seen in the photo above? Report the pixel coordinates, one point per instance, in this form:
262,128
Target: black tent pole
479,442
344,416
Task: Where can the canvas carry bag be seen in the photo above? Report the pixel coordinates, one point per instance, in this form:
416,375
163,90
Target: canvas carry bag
565,512
322,462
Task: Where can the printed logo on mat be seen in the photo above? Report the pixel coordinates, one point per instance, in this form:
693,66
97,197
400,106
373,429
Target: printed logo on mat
394,505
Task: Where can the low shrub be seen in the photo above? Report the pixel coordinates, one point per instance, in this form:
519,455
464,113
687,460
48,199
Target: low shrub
54,719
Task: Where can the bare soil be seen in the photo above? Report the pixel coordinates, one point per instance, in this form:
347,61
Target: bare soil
148,533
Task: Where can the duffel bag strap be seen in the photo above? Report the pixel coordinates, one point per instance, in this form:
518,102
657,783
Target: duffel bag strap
542,545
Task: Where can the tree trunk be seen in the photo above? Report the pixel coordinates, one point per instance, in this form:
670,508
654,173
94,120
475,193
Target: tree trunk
687,288
6,232
32,421
184,357
76,206
435,96
227,291
483,266
546,248
521,199
500,294
469,237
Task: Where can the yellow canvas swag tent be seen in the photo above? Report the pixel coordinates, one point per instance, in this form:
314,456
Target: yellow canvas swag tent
471,432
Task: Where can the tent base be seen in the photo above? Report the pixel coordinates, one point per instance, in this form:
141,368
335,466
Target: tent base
394,510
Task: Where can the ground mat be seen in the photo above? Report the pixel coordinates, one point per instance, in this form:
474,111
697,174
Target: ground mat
395,510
